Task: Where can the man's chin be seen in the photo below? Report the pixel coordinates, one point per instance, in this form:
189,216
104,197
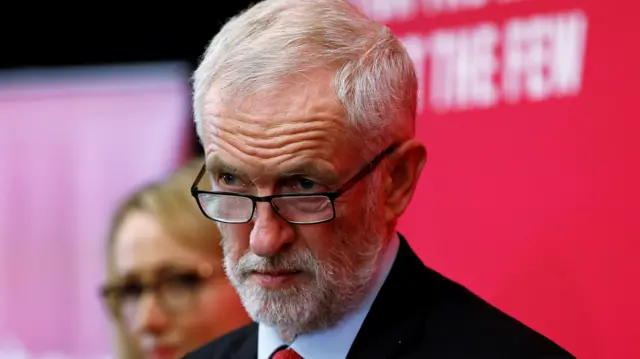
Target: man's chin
276,305
292,314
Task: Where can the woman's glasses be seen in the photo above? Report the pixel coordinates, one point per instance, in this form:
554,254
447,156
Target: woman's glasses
174,290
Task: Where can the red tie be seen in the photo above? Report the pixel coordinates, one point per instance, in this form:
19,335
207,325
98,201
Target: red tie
286,353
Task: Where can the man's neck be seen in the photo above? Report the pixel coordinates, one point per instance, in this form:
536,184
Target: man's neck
287,335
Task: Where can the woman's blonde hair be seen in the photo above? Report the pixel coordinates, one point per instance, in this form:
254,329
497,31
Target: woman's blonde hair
170,202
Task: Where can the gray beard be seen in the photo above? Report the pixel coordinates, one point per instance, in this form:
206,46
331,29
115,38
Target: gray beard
335,288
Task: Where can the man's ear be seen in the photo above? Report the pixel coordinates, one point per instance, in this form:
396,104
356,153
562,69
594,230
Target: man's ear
404,167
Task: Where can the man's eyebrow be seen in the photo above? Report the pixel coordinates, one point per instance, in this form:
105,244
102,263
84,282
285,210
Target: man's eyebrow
217,165
308,169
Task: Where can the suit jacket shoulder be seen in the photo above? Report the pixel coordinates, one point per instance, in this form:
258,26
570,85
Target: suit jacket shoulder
421,314
464,325
241,343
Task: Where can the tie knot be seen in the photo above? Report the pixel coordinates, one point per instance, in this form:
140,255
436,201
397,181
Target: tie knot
286,353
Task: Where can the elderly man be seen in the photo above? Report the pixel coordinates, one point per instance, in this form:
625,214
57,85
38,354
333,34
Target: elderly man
306,110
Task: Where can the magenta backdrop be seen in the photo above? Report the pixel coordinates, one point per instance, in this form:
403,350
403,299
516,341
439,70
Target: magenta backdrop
72,144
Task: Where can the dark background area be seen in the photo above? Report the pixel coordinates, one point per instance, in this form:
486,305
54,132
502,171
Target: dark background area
58,38
84,36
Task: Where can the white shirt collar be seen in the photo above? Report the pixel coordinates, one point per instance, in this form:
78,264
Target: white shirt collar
333,343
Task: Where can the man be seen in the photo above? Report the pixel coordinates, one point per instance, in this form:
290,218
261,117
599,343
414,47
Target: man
306,110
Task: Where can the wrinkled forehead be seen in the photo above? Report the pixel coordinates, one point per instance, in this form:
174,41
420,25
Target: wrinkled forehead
300,124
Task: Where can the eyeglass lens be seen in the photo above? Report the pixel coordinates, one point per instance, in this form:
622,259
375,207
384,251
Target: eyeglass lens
238,209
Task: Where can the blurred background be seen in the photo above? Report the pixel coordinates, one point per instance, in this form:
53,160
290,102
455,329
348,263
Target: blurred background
530,197
94,103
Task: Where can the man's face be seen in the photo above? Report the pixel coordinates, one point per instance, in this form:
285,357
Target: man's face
298,278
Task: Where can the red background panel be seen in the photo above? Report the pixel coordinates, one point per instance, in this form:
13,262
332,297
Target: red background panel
534,205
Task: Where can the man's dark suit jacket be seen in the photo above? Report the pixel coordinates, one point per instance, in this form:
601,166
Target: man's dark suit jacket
418,313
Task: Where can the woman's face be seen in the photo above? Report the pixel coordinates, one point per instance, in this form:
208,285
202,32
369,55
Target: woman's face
172,298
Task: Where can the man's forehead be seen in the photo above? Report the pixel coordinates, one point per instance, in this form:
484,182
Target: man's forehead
296,128
234,145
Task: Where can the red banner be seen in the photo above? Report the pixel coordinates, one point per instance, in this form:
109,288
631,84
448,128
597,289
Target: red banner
529,109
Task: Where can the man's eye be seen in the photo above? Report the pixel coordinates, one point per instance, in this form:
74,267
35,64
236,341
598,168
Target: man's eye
306,184
228,180
301,185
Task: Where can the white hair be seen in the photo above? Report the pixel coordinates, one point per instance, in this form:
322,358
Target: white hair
375,78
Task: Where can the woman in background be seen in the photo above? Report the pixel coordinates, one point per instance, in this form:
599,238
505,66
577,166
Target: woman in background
167,289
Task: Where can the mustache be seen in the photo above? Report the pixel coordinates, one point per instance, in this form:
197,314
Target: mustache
301,260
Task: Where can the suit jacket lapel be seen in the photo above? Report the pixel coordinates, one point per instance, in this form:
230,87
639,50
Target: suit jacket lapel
249,347
396,312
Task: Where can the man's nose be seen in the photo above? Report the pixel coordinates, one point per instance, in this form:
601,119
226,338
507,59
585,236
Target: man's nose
150,317
270,232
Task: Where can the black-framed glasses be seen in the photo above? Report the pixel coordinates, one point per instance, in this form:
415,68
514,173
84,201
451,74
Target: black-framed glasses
175,291
295,208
